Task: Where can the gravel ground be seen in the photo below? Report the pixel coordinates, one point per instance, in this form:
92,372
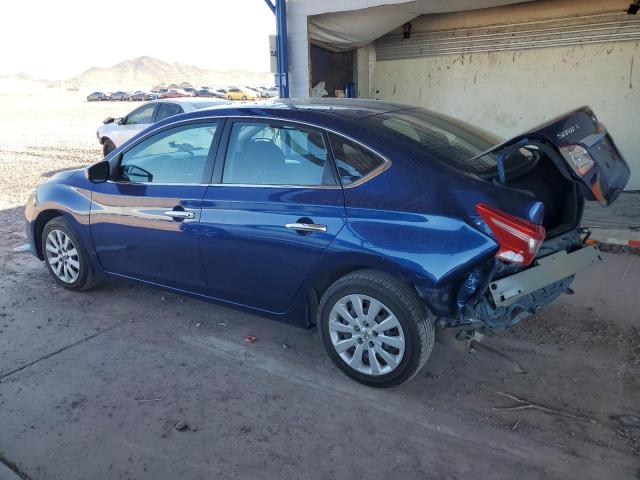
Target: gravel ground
45,132
128,381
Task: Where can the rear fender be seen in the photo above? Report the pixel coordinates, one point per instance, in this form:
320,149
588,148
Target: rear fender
427,251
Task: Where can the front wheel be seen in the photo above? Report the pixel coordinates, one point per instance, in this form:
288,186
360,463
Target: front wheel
375,328
66,257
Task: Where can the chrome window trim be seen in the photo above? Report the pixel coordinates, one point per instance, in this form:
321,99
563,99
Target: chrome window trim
242,185
118,182
272,185
374,173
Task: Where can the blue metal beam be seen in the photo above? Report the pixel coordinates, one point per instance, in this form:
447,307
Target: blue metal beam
282,77
271,6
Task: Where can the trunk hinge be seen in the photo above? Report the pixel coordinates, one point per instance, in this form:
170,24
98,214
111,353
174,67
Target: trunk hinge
504,153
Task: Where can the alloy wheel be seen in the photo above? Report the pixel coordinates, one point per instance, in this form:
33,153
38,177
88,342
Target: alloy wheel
366,334
62,256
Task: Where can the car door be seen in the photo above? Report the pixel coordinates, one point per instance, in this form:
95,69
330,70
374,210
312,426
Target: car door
274,210
144,222
134,123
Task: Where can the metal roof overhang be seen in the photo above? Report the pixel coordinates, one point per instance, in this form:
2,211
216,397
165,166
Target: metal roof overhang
341,31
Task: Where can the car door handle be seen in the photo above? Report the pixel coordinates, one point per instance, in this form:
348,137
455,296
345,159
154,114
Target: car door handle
179,214
307,227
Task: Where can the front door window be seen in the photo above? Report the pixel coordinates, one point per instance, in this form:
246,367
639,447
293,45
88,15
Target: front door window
179,155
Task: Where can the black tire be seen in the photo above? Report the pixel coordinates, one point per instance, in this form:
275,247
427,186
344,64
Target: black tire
415,320
107,147
88,276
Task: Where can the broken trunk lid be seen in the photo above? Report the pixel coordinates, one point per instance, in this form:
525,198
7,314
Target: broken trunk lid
582,144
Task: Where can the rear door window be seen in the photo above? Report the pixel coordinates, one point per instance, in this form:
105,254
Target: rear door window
261,153
352,160
166,110
142,115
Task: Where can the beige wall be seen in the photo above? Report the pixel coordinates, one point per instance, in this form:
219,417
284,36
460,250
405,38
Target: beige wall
507,92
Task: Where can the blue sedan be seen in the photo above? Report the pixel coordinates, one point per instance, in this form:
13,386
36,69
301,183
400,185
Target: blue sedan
375,222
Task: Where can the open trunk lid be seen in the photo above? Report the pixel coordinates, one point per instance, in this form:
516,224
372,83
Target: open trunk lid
582,149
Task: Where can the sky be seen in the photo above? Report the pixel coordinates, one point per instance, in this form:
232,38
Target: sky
58,39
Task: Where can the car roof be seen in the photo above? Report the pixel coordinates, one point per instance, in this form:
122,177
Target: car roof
193,101
338,107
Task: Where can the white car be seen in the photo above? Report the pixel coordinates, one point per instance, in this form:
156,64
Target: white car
116,131
271,92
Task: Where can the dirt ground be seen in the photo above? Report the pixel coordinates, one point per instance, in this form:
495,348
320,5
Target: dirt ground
93,385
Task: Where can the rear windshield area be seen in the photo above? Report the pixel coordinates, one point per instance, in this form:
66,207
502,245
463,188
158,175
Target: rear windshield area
449,140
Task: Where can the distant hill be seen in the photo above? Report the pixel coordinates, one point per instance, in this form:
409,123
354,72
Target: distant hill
20,76
146,72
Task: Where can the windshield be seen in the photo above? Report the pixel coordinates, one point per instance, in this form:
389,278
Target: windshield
447,139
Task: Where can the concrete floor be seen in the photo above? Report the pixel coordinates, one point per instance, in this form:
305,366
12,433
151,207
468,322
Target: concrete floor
93,384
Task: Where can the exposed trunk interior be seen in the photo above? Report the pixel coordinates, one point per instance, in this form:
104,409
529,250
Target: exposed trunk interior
561,197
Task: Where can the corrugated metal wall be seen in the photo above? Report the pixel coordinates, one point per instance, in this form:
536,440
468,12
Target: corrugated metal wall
575,30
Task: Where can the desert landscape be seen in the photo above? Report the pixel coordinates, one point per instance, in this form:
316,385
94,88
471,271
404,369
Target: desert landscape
48,125
45,131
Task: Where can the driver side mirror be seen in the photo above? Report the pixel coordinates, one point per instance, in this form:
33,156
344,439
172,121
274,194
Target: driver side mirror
99,172
120,121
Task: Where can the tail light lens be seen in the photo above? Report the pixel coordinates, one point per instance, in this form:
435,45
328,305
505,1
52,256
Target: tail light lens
578,158
519,239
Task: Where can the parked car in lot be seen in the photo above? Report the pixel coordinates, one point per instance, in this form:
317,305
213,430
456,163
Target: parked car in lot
142,96
116,131
95,97
119,96
271,92
206,93
172,93
373,221
241,93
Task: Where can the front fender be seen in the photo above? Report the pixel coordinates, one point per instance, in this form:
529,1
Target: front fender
71,199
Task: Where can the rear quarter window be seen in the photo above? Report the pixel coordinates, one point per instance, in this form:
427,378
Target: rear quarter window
352,160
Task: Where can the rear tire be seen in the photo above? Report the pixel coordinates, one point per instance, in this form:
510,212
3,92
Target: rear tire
66,257
399,333
107,147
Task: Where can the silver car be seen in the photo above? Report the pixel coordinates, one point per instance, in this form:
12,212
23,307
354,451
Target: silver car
115,131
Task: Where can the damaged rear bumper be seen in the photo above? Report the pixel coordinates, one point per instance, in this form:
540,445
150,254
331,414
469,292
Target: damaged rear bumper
549,270
509,300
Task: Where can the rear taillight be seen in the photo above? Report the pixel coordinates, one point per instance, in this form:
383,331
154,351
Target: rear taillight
578,158
519,239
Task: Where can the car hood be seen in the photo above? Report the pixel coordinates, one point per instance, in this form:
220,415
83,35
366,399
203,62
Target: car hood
68,174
